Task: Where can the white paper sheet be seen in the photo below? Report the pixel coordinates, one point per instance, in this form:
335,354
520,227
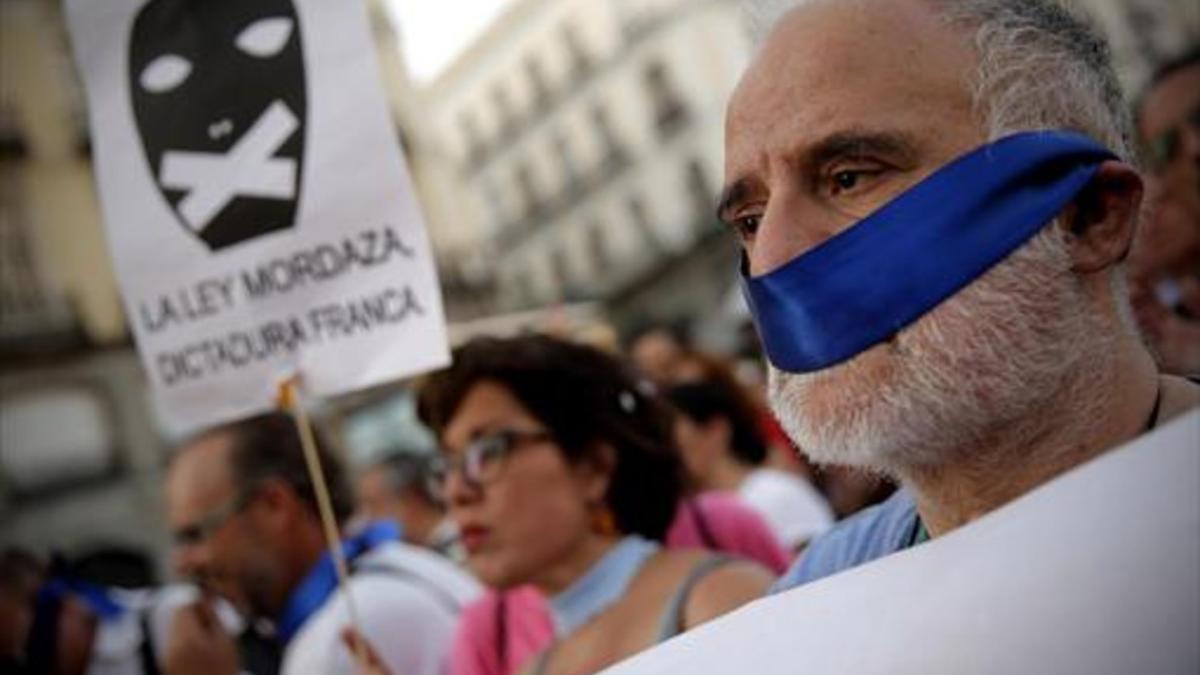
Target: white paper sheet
256,200
1096,572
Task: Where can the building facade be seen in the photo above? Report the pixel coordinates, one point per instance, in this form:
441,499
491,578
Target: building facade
587,137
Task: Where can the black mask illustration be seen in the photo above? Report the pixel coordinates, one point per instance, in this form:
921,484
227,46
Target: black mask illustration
218,91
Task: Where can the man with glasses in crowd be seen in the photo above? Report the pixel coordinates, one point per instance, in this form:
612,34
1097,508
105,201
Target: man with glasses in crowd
244,516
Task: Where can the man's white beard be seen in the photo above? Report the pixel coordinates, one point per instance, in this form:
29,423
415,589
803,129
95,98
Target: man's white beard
974,368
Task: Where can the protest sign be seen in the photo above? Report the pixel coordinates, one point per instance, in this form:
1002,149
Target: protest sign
1095,572
257,205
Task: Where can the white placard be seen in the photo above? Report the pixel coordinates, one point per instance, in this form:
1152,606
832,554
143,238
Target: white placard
257,205
1096,572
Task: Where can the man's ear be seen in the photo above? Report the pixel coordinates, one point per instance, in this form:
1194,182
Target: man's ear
276,502
1102,220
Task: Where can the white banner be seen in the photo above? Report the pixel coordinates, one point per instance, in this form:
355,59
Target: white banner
257,205
1096,572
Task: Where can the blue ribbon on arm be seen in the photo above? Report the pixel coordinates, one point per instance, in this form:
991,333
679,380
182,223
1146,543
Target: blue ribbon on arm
862,286
321,581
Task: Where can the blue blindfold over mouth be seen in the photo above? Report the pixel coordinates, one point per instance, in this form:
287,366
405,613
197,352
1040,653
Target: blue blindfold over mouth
865,284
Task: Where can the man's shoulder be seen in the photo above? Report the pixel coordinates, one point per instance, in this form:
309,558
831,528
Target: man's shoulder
873,533
395,584
397,563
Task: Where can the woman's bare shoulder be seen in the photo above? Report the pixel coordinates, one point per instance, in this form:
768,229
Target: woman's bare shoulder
724,589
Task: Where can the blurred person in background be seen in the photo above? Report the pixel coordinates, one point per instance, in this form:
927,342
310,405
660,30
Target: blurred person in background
694,365
501,631
657,351
20,576
397,488
724,450
95,614
245,521
1164,263
560,471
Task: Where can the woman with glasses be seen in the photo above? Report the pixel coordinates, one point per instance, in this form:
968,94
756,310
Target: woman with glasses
561,474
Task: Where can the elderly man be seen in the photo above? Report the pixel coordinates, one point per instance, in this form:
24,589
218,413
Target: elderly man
934,203
246,524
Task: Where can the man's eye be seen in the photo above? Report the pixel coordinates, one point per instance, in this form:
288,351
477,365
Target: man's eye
846,180
746,226
855,180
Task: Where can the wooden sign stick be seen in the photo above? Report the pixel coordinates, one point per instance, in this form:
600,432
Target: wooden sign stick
289,400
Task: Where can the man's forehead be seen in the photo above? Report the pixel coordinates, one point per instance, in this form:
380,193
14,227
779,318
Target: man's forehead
200,475
836,58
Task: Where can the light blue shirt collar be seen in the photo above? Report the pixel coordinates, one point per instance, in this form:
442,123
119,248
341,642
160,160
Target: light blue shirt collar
602,585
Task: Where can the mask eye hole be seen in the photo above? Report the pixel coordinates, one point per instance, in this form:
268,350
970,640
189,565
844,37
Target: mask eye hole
165,73
265,37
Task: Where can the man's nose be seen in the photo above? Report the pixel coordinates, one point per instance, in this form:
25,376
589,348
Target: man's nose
789,227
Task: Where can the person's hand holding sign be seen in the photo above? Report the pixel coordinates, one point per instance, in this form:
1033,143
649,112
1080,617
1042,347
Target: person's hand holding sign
369,661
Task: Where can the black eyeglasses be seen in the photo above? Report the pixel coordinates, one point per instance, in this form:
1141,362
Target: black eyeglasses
205,527
1164,148
483,460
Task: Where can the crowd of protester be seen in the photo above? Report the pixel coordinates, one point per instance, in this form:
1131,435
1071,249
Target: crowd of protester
568,505
562,510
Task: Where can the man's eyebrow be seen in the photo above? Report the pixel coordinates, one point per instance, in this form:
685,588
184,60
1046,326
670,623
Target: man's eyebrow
845,144
896,146
730,196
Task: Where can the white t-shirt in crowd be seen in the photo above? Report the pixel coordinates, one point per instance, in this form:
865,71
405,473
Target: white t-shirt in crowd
408,600
792,507
118,644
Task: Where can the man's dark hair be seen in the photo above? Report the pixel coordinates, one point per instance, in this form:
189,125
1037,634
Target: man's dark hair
268,446
586,398
706,400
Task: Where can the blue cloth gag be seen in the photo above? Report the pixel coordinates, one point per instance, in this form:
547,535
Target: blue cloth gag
862,286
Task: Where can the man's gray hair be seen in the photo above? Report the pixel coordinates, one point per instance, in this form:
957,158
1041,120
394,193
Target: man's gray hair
406,470
1042,65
